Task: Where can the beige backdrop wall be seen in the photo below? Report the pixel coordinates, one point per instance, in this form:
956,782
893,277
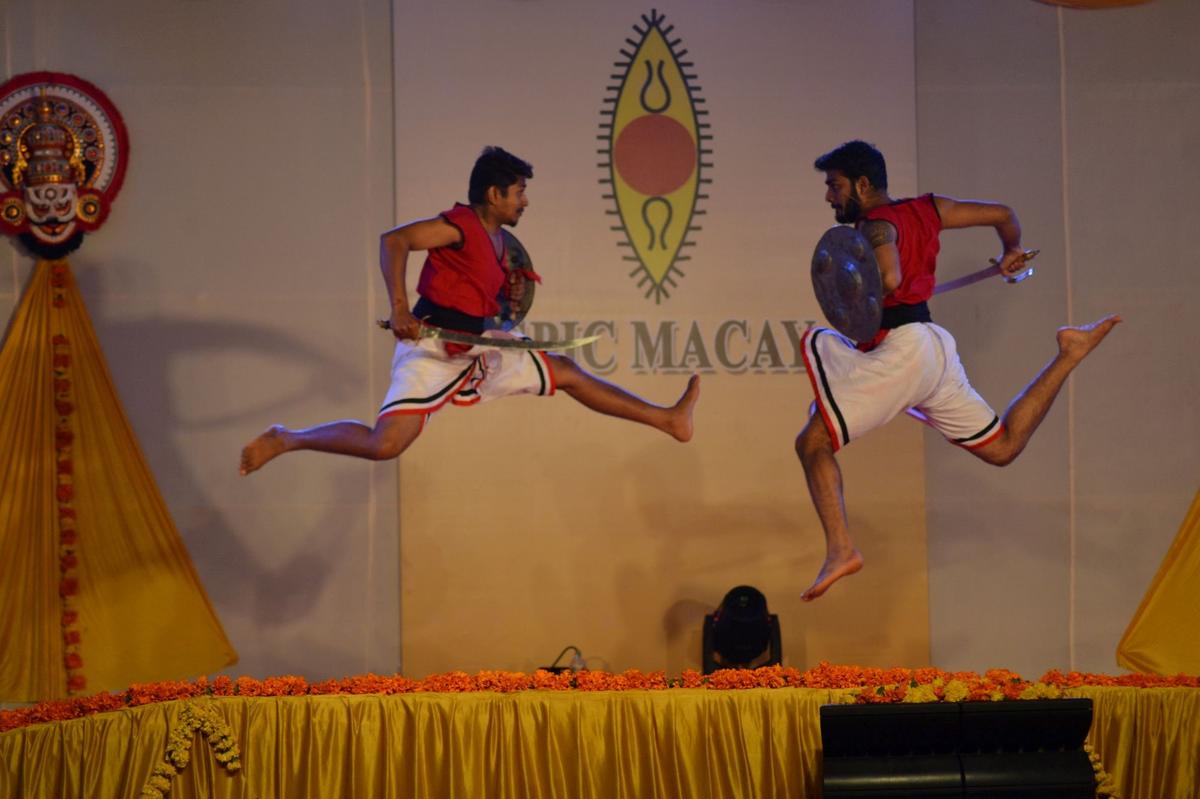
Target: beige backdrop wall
232,287
1088,123
532,524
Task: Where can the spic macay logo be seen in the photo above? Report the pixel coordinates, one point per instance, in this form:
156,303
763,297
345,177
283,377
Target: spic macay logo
656,150
63,151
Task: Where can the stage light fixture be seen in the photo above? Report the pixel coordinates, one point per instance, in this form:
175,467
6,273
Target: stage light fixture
741,633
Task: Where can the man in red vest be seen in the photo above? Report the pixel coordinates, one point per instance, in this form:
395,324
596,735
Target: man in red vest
459,286
912,364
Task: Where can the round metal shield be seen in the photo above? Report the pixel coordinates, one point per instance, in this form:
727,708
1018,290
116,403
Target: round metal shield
516,259
846,281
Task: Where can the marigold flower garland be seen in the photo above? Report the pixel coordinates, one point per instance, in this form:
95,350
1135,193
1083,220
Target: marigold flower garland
64,492
192,718
864,685
860,684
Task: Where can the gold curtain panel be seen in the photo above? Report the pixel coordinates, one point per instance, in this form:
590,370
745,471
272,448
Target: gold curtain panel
1162,636
97,588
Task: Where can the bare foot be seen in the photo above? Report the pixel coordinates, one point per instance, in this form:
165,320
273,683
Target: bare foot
1074,343
269,444
834,569
680,423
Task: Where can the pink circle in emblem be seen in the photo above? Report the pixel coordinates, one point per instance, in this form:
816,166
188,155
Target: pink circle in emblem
655,154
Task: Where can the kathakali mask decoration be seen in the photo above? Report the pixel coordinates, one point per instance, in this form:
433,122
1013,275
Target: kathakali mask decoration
63,151
656,153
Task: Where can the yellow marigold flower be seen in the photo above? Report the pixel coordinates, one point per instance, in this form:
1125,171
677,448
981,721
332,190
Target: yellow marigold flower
1039,690
956,691
922,693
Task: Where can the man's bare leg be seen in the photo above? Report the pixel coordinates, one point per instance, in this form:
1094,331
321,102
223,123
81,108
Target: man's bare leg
390,436
611,400
1029,408
824,476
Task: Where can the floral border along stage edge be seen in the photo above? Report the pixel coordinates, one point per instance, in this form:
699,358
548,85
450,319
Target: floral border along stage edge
866,684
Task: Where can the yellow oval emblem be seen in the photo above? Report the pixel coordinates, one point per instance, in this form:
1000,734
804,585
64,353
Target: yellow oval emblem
656,151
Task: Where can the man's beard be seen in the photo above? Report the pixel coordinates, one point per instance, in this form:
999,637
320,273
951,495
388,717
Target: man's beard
849,213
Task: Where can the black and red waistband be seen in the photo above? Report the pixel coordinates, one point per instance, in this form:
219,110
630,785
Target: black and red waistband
440,316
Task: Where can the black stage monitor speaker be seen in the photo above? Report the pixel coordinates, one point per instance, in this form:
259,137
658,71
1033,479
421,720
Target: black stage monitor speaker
984,750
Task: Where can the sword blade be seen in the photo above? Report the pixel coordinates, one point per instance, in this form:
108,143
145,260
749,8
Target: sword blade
984,274
498,343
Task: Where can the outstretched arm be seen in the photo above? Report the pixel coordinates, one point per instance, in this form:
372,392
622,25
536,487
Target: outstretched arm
394,247
974,213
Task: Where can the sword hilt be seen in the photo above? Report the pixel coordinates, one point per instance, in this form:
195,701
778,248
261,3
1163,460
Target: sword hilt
386,324
1028,256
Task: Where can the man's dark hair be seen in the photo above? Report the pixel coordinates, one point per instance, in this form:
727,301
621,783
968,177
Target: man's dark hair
495,167
856,159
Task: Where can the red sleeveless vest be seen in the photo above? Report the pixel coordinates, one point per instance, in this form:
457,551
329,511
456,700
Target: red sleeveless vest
466,278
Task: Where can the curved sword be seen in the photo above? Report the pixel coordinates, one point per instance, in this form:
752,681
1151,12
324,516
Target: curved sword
428,331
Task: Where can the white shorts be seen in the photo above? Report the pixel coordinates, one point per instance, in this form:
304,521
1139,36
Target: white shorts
915,369
425,377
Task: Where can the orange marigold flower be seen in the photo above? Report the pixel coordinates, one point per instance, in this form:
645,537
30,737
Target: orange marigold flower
324,687
68,562
73,660
62,360
222,686
59,339
69,617
71,637
68,538
452,682
76,683
65,493
285,686
68,587
247,686
550,681
587,680
736,679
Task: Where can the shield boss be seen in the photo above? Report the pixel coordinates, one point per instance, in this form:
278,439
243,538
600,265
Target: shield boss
846,281
516,258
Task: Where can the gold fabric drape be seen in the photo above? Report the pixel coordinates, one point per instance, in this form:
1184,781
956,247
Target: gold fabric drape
1162,637
139,612
607,745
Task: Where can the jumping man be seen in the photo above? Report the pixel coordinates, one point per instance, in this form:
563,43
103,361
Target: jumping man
459,286
912,364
